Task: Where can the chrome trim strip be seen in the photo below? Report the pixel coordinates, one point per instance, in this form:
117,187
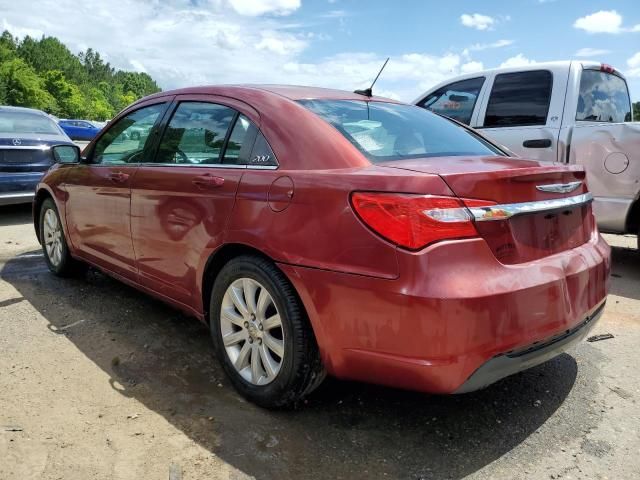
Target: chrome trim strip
192,165
25,147
17,195
559,187
207,165
506,211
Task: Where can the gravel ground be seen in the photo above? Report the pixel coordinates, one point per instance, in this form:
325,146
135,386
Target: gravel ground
98,381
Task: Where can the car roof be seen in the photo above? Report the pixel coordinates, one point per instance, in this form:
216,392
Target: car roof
7,108
291,92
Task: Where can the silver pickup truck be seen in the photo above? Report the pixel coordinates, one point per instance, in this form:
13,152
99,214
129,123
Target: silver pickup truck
568,112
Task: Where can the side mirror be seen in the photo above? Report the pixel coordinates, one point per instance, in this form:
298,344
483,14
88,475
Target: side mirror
66,154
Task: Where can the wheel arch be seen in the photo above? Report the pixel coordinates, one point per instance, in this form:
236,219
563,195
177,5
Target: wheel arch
41,195
217,260
632,224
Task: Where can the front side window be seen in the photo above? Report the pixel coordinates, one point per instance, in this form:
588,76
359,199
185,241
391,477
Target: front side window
195,134
519,99
604,97
388,131
455,100
125,140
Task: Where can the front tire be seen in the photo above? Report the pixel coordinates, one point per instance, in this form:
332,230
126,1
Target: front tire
261,334
54,243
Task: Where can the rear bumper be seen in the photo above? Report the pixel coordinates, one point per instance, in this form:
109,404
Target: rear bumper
506,364
452,309
16,188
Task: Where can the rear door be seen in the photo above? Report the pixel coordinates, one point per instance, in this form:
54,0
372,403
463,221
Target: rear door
523,111
99,192
182,200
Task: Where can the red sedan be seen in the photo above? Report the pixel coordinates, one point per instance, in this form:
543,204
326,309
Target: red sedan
318,231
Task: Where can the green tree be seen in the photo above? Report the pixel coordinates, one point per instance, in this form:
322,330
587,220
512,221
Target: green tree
70,100
43,73
636,112
23,87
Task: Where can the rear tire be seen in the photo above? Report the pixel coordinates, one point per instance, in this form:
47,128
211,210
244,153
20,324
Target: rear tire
54,243
261,334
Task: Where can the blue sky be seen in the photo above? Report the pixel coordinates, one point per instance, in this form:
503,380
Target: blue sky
335,43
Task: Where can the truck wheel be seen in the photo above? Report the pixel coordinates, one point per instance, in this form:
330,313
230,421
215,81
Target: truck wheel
261,334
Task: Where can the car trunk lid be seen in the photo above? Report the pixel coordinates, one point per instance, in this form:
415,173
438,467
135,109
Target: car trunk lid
540,208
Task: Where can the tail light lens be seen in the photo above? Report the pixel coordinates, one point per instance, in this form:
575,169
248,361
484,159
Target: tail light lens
415,221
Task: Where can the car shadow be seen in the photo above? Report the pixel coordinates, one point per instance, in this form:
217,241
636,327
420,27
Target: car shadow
344,430
15,214
625,272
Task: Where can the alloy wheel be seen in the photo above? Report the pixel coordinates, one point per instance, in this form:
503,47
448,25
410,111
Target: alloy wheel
52,237
252,332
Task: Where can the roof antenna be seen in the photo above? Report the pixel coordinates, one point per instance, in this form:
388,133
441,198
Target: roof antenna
368,92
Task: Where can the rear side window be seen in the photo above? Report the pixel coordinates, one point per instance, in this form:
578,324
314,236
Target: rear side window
604,97
195,134
519,99
455,100
240,142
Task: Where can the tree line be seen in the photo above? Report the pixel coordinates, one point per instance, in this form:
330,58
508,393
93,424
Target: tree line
44,74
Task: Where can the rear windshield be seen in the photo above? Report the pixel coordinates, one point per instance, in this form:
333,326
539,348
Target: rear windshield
25,122
389,131
604,97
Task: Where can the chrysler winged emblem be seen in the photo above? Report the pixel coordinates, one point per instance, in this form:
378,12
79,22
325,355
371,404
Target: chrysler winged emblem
559,187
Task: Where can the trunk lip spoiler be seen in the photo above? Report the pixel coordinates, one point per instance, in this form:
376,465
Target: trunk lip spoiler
506,211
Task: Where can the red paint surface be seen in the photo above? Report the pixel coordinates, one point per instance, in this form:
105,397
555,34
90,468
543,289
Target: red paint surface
422,320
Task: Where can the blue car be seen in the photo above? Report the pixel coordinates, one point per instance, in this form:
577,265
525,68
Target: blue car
26,138
79,129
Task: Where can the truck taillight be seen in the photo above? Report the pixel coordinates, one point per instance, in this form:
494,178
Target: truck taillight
415,221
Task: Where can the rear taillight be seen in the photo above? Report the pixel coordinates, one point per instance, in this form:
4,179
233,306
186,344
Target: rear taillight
415,221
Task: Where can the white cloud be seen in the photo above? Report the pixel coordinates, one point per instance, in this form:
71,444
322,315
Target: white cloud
182,43
477,21
485,46
591,52
634,66
137,66
518,61
604,21
255,8
471,67
281,43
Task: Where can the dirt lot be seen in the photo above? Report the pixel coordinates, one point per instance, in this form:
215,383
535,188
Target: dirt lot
98,381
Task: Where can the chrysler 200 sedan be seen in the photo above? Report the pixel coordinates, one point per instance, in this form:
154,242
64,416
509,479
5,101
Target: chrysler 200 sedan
324,232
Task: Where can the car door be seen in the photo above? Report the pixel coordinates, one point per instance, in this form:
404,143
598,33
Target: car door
99,193
523,112
182,200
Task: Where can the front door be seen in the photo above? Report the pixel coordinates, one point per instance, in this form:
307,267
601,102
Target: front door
181,202
99,192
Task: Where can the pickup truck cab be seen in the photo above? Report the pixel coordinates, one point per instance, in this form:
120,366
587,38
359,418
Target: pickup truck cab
570,112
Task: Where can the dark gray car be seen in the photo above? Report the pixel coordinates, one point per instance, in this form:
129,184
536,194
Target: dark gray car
26,138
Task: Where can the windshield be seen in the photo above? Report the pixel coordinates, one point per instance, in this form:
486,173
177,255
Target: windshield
25,122
389,131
